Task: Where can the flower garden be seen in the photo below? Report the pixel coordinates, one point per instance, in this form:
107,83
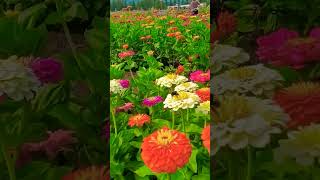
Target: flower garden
160,95
265,69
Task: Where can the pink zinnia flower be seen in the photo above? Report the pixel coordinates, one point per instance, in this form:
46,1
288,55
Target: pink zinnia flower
48,70
126,54
200,76
286,48
151,101
124,83
126,107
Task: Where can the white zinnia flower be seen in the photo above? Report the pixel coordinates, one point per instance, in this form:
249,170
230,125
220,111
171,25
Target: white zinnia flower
256,79
115,86
204,107
187,86
171,79
17,81
240,121
303,145
227,57
183,100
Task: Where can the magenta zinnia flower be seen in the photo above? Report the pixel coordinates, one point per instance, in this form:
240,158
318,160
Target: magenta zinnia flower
200,76
48,70
151,101
124,83
286,48
126,107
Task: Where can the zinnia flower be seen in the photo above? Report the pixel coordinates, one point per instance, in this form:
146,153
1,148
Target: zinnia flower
125,108
138,120
286,48
151,101
171,79
205,137
200,76
48,70
187,86
126,54
204,107
165,151
204,94
240,121
226,25
256,79
118,86
17,81
225,57
150,53
302,102
180,69
89,173
301,145
125,46
182,100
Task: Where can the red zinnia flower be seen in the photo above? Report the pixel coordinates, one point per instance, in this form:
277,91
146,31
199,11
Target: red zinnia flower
302,102
138,120
226,25
200,76
93,172
165,151
204,94
171,34
126,54
205,136
180,69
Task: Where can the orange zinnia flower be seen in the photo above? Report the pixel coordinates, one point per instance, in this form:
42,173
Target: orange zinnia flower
204,94
178,33
171,34
126,54
148,37
179,37
125,46
142,38
138,120
226,24
180,69
302,102
165,151
172,29
205,136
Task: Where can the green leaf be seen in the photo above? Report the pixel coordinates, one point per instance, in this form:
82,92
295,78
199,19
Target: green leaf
193,161
77,10
135,144
201,177
193,128
143,171
53,18
161,123
116,169
33,11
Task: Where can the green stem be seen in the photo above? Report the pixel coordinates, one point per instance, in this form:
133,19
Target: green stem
114,122
9,163
249,163
168,176
172,119
187,115
151,112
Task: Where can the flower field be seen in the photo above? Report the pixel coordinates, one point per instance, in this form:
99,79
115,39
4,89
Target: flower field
265,70
160,95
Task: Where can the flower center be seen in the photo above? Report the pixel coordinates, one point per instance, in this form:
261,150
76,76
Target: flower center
171,76
242,73
181,96
298,41
186,84
165,137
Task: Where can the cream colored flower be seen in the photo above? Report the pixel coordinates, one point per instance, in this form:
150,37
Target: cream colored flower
227,57
240,121
249,80
116,87
171,79
17,81
204,107
303,145
183,100
187,86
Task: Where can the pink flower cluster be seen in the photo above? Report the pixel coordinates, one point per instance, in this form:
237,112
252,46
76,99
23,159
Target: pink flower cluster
126,54
200,76
48,70
126,107
151,101
58,141
286,48
124,83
